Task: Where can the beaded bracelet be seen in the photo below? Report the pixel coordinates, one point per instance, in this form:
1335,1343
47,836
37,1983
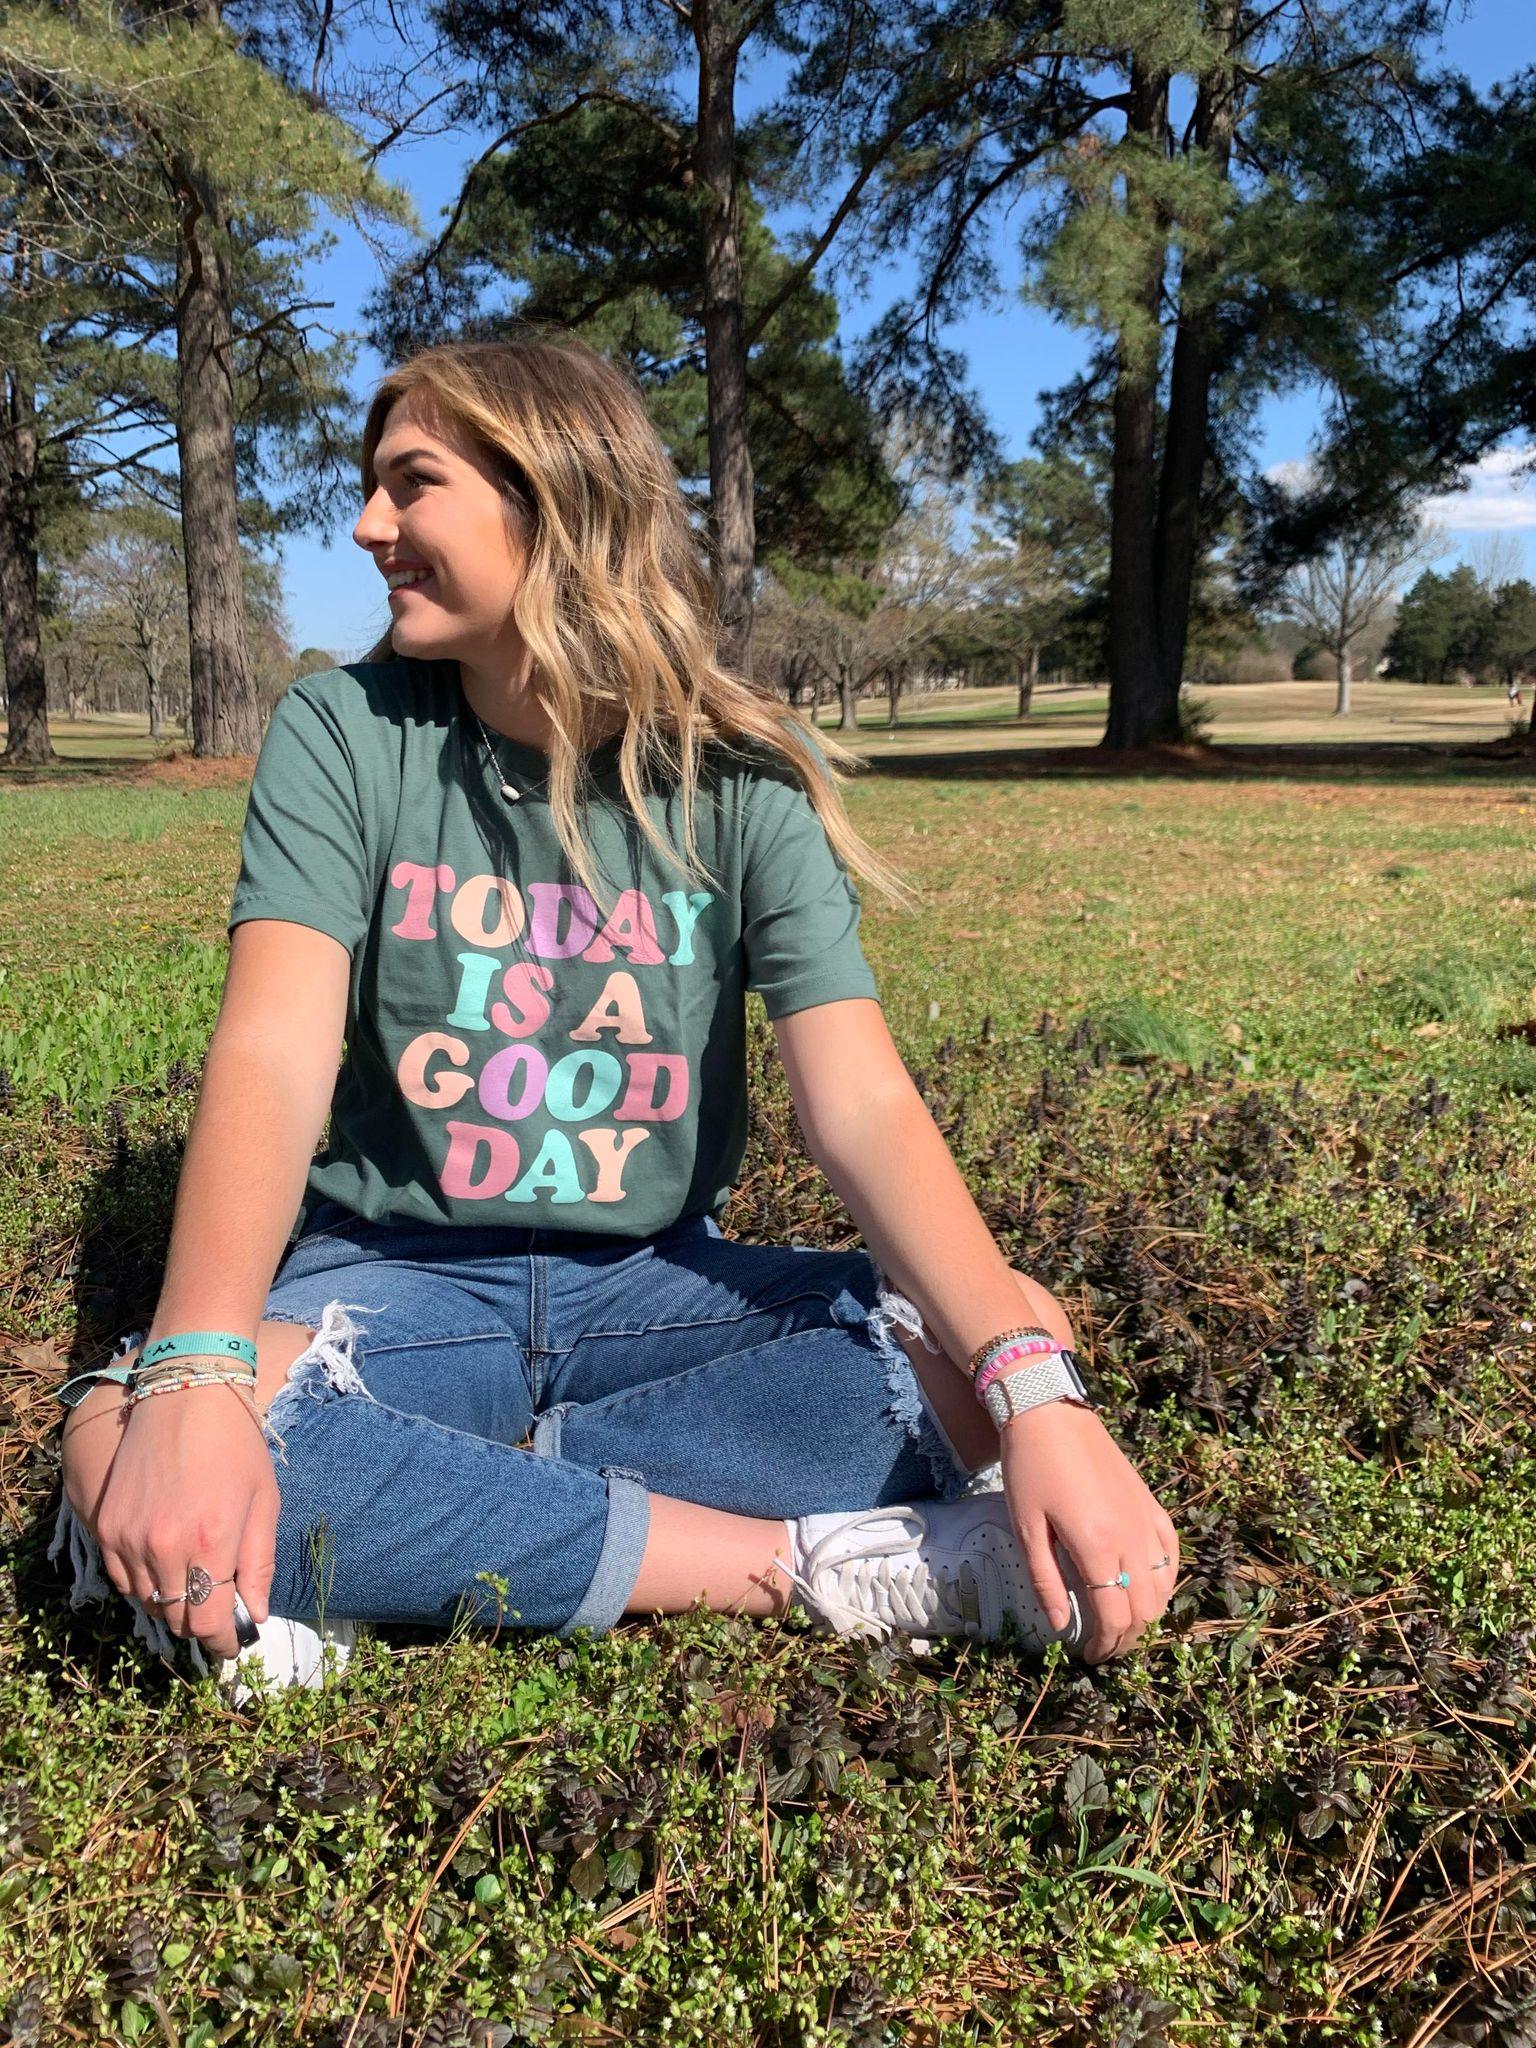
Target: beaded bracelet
978,1357
1010,1355
199,1379
199,1361
174,1374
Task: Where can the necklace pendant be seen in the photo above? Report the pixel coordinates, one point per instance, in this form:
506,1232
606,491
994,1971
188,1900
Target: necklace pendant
510,793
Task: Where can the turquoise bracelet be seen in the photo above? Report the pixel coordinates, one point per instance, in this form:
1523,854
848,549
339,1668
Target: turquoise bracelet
198,1344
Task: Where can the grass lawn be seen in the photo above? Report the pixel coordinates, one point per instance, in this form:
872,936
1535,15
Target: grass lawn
1243,1065
1402,716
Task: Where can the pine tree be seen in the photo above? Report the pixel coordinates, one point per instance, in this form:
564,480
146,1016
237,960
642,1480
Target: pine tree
84,395
1444,623
1192,166
150,99
663,198
1511,644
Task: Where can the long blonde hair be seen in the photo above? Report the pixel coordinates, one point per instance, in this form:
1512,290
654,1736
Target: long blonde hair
615,606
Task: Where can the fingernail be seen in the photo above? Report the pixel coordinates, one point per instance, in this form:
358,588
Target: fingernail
1058,1617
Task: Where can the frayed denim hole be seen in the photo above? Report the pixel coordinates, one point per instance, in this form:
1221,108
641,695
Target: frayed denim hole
321,1372
894,1311
909,1404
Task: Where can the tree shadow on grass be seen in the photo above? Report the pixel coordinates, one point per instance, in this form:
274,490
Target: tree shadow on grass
1400,761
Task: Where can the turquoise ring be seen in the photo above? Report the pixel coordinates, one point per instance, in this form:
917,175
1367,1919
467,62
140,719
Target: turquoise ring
1122,1579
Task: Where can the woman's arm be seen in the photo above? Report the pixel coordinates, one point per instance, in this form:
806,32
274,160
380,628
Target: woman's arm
870,1132
266,1092
188,1477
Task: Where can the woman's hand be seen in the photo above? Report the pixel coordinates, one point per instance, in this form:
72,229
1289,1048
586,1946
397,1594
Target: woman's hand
180,1480
1065,1477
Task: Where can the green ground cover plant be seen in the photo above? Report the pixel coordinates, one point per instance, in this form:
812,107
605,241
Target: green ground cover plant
1245,1070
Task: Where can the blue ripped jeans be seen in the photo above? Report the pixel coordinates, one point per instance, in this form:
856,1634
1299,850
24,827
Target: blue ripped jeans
503,1401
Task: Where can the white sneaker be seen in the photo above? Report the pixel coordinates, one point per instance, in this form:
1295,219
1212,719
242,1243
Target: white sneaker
290,1653
950,1568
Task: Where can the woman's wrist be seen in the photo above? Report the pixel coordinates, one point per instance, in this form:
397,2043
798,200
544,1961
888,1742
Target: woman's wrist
177,1397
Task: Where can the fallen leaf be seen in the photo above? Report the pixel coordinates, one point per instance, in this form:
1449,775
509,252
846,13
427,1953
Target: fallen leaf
44,1357
1428,1030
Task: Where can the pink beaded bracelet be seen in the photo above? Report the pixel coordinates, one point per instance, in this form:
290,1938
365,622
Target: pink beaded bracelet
1011,1355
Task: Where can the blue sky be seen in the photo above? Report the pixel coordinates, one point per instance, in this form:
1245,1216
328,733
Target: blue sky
1014,352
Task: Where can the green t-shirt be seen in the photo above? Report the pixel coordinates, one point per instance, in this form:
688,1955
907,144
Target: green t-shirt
513,1056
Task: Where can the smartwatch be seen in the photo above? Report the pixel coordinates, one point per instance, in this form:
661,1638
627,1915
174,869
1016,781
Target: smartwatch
1053,1378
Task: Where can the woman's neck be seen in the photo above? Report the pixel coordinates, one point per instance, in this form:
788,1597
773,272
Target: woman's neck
505,703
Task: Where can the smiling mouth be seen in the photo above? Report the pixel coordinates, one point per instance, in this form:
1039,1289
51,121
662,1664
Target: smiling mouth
406,579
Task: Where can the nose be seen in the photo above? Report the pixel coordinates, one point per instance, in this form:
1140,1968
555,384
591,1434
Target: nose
377,527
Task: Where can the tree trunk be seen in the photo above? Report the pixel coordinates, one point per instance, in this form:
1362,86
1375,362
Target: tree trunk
26,678
848,698
1187,436
733,523
1029,675
226,717
894,685
1142,710
1346,677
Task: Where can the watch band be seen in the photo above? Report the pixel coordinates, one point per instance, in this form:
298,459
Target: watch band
1029,1386
74,1390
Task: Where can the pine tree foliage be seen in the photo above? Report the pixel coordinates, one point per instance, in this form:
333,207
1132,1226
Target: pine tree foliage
1185,172
156,86
160,183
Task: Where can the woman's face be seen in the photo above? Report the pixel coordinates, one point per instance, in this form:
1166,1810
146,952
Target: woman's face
438,531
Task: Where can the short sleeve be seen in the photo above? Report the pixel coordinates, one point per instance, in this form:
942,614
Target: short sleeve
800,911
302,856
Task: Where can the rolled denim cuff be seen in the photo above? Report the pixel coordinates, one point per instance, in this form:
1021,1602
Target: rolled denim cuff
619,1560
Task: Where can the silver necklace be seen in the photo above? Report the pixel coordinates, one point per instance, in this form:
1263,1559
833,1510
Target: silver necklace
512,795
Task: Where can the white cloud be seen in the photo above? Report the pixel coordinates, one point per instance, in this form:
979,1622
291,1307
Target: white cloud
1498,497
1291,476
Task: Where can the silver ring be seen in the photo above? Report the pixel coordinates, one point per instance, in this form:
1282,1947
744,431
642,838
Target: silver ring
1095,1585
246,1631
200,1586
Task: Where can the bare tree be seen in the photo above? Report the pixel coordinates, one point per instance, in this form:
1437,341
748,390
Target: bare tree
127,593
1497,559
847,632
1020,597
1343,592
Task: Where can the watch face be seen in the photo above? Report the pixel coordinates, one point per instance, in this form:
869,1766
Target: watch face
1069,1360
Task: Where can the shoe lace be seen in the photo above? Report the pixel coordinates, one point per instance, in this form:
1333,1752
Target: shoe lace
919,1593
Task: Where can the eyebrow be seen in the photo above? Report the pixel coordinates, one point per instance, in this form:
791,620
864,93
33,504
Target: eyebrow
409,455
